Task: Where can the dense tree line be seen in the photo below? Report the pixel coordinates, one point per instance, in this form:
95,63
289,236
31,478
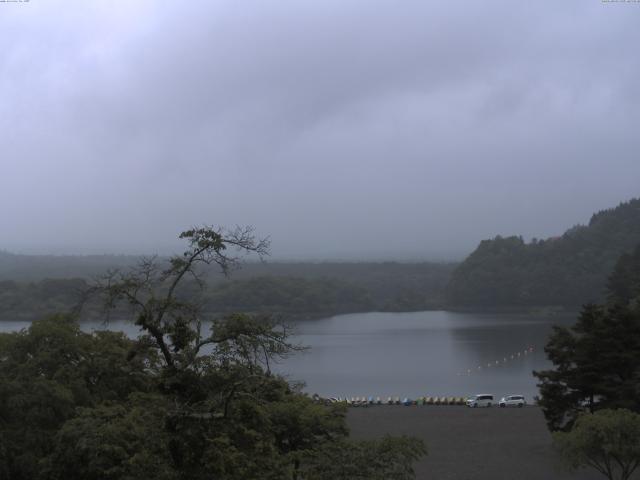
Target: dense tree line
100,406
178,402
393,286
288,295
591,396
34,268
33,300
569,271
294,290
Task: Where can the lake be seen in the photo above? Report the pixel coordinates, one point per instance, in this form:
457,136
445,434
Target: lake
432,353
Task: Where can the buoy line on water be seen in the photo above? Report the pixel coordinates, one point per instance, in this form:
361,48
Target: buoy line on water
506,359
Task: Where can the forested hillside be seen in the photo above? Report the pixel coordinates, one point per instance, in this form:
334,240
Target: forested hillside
24,268
566,271
624,283
288,295
296,290
392,286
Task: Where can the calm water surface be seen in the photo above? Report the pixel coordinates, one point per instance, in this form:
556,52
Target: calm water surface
412,354
422,353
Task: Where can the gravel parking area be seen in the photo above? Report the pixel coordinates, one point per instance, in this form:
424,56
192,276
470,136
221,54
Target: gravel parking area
470,443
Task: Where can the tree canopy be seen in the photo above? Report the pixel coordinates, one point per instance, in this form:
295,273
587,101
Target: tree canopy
624,282
188,399
597,360
607,441
567,271
294,290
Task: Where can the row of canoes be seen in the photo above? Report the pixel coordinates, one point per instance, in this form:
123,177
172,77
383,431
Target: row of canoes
366,401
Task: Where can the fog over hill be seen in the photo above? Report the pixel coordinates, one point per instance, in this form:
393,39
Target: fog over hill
570,270
343,130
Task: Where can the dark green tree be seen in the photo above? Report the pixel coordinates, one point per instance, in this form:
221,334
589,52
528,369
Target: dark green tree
49,371
624,282
596,365
180,402
151,290
567,271
113,441
607,441
218,381
597,360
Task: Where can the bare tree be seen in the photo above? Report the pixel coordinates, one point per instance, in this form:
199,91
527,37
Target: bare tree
173,324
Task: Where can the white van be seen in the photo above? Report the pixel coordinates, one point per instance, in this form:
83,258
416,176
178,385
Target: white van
513,401
480,400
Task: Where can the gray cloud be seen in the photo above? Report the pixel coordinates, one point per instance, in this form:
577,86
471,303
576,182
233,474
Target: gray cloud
350,129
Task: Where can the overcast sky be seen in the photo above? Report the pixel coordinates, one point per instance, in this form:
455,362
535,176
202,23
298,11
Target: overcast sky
342,129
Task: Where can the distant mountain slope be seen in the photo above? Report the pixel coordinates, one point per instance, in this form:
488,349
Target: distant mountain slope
37,267
33,286
624,283
569,270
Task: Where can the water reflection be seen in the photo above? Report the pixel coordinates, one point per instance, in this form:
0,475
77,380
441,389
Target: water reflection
421,353
410,354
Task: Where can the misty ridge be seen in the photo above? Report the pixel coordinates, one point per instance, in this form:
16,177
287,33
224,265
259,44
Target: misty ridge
505,273
344,132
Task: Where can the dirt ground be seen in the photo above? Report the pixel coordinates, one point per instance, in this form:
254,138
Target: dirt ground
470,444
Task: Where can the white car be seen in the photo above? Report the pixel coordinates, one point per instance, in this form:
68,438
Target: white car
480,400
512,401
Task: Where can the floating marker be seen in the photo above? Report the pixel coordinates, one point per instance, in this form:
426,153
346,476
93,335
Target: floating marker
513,356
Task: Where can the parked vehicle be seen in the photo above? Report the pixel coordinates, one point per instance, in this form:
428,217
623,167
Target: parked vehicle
480,400
513,401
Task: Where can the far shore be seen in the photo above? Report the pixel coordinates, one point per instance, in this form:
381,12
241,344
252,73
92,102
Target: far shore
310,316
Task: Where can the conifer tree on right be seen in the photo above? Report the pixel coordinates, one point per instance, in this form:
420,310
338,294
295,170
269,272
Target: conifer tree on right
596,361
